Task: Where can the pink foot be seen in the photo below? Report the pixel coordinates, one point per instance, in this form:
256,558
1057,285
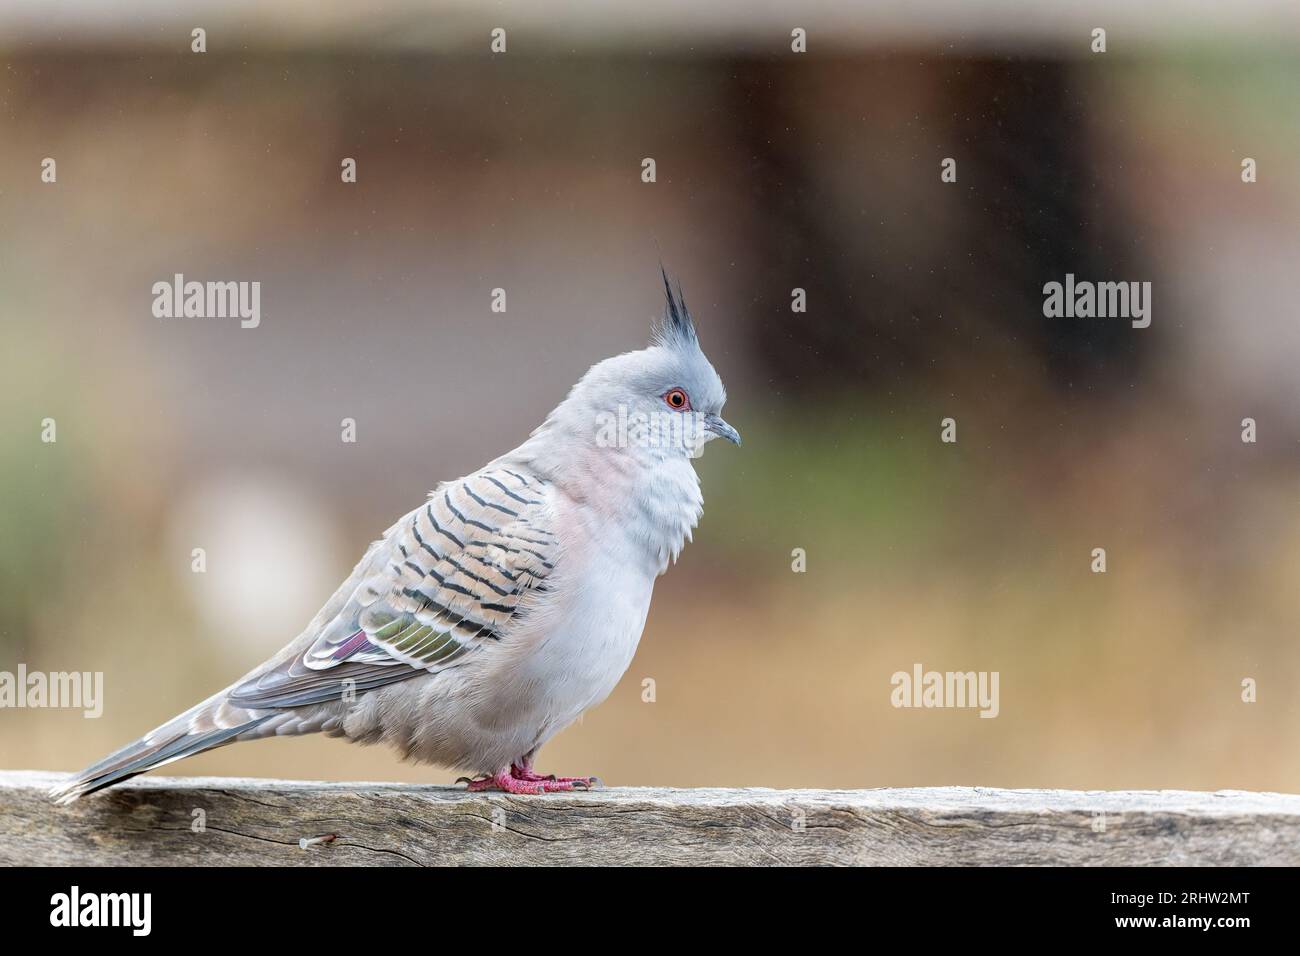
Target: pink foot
522,780
526,772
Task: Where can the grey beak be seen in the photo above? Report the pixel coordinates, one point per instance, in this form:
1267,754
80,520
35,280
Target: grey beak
715,424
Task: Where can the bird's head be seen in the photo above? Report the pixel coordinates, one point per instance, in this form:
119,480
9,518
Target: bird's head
660,402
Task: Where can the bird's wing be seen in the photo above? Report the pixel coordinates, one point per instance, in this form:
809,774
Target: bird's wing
442,585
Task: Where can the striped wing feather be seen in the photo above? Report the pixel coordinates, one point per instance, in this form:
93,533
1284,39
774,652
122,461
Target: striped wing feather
443,583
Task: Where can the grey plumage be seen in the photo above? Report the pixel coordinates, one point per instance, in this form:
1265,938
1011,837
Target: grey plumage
492,615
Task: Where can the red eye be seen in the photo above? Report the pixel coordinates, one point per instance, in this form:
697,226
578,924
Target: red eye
677,399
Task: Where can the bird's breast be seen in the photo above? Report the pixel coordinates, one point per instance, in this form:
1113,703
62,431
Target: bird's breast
576,642
573,650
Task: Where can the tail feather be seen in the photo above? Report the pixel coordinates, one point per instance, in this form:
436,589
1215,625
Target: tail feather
172,741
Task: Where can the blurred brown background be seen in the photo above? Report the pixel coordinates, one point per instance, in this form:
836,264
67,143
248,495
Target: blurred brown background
775,170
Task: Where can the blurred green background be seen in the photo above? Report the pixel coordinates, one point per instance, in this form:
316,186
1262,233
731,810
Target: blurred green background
775,170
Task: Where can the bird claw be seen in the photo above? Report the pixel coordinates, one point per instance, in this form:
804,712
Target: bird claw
525,781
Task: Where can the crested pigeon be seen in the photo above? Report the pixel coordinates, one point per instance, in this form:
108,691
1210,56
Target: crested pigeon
490,617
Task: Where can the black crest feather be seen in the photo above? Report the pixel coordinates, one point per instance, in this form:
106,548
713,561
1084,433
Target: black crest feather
678,327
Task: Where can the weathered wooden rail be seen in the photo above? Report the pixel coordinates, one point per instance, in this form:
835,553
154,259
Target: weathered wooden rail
216,821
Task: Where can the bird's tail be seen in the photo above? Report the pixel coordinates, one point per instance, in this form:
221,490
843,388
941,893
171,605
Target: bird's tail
211,724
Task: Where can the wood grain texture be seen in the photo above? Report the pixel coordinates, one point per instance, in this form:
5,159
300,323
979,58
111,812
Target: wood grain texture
153,820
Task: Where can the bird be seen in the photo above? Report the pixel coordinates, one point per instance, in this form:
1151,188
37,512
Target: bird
509,602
